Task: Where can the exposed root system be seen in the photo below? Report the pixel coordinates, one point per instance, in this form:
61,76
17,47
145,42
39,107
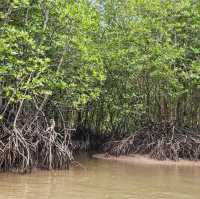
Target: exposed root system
161,141
34,144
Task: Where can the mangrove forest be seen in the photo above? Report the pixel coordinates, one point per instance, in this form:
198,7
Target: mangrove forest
118,77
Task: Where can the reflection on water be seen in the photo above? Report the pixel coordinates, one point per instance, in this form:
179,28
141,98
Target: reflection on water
101,179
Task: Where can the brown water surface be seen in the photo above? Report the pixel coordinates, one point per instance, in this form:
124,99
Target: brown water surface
105,179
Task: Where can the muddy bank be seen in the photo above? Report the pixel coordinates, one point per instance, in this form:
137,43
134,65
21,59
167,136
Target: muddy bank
145,159
161,141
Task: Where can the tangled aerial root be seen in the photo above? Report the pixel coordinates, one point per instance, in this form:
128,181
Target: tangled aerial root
22,149
161,141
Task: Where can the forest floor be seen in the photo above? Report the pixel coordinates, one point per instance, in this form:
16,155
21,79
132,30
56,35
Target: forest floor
145,160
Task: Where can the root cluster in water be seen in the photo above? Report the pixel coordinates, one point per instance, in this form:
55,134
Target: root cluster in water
34,145
161,141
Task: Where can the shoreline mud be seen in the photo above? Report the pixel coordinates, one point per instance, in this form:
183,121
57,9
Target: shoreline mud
145,159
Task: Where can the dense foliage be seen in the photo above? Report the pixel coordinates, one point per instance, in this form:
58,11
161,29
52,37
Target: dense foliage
108,65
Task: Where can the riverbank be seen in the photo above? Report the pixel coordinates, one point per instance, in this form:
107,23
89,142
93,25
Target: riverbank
145,159
161,141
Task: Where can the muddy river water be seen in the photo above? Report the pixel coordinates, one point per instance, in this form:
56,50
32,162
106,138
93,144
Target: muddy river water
101,179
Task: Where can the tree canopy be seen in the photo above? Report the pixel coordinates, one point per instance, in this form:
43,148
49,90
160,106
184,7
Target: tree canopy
111,65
